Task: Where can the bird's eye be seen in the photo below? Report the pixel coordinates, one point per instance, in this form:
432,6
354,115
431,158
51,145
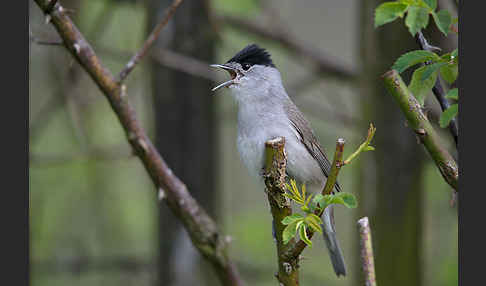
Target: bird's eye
246,66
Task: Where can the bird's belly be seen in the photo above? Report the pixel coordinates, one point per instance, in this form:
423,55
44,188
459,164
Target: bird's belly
301,166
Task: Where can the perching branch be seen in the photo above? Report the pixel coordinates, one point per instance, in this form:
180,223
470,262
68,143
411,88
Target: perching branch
438,90
422,127
293,252
150,40
367,259
275,166
324,64
201,228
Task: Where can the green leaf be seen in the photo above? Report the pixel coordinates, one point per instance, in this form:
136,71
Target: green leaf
453,94
431,3
449,72
303,235
314,203
314,218
443,20
412,58
420,88
291,218
431,69
349,200
340,198
417,18
388,12
290,231
447,115
314,222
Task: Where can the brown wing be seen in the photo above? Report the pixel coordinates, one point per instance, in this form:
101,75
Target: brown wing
309,139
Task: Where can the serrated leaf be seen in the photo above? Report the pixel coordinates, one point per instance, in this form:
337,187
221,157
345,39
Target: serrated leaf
431,3
291,218
421,88
303,235
430,69
453,94
417,18
412,58
449,72
290,231
443,20
388,12
447,115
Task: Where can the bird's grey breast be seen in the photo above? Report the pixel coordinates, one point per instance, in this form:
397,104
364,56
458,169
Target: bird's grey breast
258,123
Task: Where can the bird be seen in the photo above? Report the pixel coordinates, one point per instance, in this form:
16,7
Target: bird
265,111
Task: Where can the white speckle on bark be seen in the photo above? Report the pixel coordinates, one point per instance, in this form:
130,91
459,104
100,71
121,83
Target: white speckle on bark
123,90
161,194
287,267
77,48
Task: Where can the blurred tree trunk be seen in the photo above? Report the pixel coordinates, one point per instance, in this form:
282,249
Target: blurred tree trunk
390,184
185,132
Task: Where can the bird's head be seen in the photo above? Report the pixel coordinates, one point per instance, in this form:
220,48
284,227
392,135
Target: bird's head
250,68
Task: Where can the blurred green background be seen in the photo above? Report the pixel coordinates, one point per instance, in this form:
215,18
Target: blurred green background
94,215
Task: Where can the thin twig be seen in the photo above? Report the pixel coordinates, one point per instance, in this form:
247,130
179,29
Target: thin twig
420,124
438,90
148,43
367,259
201,228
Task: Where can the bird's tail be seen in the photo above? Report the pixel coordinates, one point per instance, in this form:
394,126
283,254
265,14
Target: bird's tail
329,233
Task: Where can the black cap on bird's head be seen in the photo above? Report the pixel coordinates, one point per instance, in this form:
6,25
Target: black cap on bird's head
238,65
253,55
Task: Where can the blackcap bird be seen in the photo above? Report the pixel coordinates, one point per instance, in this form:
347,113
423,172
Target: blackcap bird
265,111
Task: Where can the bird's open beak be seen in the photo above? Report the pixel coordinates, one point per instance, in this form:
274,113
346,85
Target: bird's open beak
232,73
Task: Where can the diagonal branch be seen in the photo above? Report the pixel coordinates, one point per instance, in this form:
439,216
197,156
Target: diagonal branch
438,90
324,64
149,42
201,228
422,127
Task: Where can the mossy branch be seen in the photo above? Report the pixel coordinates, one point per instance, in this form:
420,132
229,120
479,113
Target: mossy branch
274,176
419,123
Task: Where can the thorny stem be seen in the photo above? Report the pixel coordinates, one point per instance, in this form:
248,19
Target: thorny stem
422,127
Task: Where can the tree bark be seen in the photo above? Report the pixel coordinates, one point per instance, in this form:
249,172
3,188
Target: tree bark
390,182
185,130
